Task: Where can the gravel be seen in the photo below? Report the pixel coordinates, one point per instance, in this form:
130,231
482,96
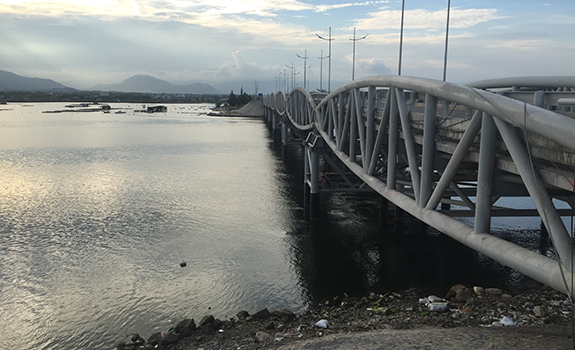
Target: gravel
540,318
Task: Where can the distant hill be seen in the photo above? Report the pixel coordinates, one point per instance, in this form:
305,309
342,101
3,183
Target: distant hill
13,82
146,83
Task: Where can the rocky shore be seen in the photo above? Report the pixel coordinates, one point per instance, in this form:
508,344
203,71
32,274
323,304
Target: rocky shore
472,309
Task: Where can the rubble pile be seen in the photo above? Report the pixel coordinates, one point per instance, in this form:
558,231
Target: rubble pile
461,307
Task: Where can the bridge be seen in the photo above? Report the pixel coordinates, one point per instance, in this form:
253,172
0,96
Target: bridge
442,152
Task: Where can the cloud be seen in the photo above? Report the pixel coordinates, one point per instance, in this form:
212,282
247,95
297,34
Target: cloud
152,8
424,19
324,8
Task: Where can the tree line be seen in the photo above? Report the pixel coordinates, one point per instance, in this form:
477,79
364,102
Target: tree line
238,100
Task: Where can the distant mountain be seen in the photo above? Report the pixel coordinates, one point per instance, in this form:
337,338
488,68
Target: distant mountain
146,83
13,82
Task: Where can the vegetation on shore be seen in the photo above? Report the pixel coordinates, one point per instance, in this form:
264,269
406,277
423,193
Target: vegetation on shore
109,97
238,100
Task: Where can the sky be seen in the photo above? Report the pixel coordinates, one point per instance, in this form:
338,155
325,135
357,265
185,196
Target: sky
252,44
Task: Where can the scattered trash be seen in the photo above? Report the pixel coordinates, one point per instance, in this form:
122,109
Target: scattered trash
539,311
301,327
504,321
435,299
322,324
183,263
431,299
437,307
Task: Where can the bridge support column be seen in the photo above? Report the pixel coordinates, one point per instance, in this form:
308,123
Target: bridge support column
284,140
269,116
313,146
485,175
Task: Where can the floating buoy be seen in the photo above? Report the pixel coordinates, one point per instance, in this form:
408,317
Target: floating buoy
183,263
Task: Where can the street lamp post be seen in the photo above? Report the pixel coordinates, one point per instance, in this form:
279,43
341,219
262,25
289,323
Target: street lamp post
282,82
446,37
321,58
401,37
329,39
353,55
304,57
292,67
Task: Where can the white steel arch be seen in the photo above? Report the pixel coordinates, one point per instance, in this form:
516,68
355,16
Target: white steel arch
391,133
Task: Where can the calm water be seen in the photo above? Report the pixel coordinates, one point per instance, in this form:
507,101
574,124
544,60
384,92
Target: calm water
97,210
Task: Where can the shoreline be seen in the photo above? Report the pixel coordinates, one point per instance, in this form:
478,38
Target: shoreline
541,312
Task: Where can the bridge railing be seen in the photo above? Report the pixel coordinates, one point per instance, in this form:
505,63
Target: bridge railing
369,125
551,92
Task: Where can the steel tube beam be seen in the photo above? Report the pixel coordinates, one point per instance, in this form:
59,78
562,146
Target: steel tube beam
380,136
455,160
370,125
485,175
360,127
393,137
428,149
561,240
409,143
353,125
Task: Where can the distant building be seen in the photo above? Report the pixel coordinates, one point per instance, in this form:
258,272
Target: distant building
154,109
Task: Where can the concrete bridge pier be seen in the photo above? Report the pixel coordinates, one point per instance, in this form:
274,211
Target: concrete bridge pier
268,118
275,129
313,145
284,138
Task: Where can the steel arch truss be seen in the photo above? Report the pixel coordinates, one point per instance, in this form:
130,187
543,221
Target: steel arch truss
425,144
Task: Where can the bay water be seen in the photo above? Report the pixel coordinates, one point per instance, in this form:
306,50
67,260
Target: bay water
97,210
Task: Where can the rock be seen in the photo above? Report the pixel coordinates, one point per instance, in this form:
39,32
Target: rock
209,324
242,314
464,294
185,327
262,336
479,291
206,320
285,315
261,315
155,338
217,324
539,311
135,337
453,291
270,325
207,328
121,346
493,292
168,338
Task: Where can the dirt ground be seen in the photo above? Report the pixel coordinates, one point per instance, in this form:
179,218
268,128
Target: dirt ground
525,337
471,319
